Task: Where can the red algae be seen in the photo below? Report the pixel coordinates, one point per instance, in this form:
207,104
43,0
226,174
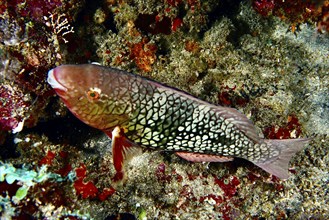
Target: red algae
161,173
106,193
264,7
292,129
192,46
174,3
153,24
31,34
65,170
35,9
228,185
143,53
296,12
88,189
232,97
48,159
13,107
81,171
224,204
176,23
85,189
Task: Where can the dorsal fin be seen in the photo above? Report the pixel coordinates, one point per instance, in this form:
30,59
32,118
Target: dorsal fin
232,115
240,121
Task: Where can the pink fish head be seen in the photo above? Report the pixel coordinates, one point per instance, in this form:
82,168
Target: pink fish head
81,88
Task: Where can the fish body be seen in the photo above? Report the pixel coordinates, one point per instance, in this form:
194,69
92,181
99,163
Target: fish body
135,111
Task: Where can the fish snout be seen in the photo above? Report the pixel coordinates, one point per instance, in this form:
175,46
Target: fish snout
52,80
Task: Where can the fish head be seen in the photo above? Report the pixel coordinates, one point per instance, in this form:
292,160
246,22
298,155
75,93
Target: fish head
80,88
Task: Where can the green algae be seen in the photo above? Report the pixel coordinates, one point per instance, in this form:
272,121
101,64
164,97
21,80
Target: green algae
25,177
21,193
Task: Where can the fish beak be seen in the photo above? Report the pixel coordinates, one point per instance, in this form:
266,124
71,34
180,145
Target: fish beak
53,81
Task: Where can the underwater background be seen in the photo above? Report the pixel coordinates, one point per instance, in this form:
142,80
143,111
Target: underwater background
267,58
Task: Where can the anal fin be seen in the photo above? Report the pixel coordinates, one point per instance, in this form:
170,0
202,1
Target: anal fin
198,157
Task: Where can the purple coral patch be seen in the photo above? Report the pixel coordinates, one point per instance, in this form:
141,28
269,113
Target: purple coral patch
12,107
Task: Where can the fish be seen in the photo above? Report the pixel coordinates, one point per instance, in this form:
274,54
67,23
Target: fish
137,112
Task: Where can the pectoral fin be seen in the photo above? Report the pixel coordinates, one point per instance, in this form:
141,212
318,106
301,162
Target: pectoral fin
122,151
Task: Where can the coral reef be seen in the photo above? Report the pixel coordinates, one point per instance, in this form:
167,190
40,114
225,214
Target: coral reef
32,36
296,12
225,52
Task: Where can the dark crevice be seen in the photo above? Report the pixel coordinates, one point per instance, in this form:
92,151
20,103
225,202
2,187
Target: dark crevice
230,9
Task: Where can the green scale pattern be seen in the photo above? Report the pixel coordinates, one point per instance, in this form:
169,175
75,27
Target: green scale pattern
165,119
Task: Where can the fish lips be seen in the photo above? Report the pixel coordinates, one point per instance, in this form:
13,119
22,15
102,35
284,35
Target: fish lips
54,83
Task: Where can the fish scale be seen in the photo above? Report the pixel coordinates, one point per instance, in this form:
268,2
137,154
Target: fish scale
135,111
177,112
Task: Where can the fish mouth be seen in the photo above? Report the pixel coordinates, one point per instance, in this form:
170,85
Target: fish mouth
52,80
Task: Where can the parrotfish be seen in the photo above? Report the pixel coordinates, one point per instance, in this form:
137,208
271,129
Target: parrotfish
138,112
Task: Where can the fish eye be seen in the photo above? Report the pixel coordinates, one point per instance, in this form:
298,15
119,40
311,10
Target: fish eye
93,94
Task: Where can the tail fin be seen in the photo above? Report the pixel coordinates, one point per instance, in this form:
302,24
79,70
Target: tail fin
278,166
